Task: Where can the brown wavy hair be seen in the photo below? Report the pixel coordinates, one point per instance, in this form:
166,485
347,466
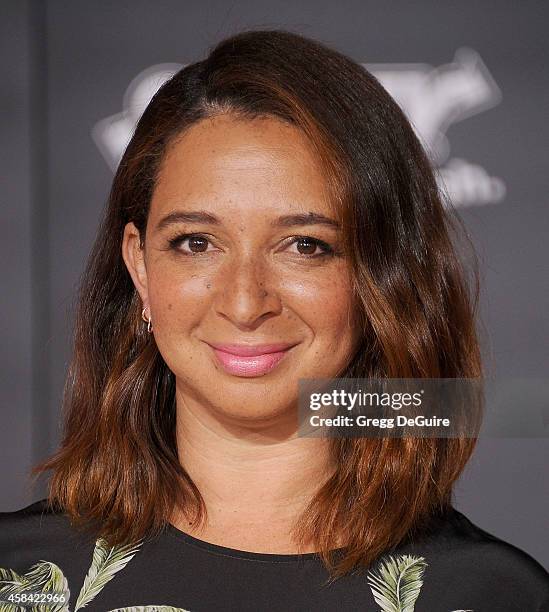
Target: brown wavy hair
117,466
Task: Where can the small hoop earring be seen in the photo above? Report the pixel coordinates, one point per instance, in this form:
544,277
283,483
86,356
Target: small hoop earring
148,321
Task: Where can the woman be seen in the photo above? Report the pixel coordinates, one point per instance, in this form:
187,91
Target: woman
274,218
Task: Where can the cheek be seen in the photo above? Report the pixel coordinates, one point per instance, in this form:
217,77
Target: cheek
327,311
177,300
181,299
325,304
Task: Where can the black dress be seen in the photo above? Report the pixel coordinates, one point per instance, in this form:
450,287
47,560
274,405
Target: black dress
453,566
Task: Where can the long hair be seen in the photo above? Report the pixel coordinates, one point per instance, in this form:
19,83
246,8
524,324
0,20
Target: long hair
117,466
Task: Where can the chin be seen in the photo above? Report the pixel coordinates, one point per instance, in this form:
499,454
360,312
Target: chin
250,409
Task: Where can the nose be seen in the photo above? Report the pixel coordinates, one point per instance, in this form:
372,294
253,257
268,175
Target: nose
246,295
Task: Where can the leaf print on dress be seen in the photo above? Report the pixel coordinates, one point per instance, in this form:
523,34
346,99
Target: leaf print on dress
150,609
397,583
47,577
43,577
106,563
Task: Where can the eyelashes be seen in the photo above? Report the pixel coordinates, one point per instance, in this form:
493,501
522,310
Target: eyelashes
326,249
180,238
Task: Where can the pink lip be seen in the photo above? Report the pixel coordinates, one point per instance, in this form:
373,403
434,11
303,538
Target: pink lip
246,360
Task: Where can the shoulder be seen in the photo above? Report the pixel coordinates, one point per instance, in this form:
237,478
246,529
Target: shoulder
503,556
465,561
36,516
38,531
39,514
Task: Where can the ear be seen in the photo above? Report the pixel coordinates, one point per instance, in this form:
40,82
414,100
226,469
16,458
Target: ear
134,258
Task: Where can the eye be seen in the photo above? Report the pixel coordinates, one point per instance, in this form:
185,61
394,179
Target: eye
197,243
307,246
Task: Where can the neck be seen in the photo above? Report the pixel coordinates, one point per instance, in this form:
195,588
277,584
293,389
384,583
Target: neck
255,479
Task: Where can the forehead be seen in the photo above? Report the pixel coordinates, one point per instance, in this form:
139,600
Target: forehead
238,162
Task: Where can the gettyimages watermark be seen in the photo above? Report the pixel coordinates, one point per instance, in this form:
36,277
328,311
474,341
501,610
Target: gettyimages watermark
423,407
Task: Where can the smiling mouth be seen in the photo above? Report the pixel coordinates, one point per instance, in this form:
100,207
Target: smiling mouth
249,365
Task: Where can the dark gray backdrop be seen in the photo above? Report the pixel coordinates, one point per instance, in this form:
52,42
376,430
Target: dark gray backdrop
66,66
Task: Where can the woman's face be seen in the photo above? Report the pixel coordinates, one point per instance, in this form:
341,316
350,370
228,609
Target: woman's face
242,248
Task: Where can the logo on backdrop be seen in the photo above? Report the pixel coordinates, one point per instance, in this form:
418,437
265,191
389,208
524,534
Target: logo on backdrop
433,99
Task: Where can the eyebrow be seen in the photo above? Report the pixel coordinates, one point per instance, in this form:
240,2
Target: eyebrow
201,216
